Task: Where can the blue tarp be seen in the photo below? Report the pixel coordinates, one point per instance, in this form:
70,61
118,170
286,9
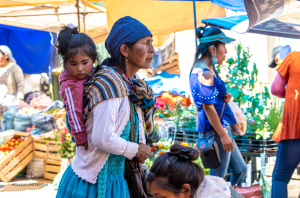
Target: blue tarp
32,49
166,82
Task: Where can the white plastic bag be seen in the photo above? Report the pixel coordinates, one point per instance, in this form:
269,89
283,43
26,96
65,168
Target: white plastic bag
35,168
241,120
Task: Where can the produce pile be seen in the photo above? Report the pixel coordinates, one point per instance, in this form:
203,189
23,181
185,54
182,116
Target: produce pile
28,111
9,146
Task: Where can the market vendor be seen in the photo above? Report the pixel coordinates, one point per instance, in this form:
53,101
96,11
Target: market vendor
278,54
116,105
11,74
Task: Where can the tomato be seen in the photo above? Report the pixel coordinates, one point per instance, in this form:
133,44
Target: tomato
11,148
12,144
2,147
13,140
6,146
17,142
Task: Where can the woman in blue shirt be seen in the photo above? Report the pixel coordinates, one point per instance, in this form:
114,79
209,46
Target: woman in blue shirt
209,94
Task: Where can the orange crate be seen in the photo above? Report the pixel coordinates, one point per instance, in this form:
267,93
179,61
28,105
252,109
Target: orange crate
21,157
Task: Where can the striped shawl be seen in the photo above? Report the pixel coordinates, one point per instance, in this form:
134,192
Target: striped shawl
109,83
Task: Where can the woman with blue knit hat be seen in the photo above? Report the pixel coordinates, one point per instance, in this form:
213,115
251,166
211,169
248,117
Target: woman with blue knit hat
116,105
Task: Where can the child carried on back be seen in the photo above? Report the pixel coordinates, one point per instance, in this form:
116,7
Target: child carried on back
79,53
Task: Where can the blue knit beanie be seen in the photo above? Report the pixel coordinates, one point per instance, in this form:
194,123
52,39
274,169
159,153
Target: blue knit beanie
126,30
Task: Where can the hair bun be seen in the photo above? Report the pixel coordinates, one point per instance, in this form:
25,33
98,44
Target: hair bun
75,30
184,152
199,32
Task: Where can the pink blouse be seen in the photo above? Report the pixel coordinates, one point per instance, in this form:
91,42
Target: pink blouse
278,86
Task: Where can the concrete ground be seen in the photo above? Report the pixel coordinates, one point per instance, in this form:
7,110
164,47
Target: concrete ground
31,188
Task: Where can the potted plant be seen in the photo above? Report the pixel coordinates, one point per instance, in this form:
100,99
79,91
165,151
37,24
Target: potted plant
251,95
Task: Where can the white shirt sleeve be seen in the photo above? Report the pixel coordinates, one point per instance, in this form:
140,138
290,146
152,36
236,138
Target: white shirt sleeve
104,134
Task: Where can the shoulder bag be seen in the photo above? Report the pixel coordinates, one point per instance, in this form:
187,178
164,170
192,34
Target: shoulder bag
134,174
208,147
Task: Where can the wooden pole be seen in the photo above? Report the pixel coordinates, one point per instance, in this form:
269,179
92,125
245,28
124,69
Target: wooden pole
78,16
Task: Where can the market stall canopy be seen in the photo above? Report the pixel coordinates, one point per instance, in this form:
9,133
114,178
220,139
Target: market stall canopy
162,17
14,3
274,18
53,17
166,82
31,48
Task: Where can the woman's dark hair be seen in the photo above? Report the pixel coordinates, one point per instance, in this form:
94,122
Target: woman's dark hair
175,168
70,42
201,32
120,60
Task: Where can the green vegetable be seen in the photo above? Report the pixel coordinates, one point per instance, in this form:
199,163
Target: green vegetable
52,111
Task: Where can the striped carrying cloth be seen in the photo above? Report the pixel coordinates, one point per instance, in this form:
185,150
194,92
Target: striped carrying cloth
108,83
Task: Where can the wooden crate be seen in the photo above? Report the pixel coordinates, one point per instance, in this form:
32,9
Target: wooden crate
21,157
51,168
46,149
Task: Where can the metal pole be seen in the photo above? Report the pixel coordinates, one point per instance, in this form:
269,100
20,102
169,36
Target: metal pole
78,17
195,21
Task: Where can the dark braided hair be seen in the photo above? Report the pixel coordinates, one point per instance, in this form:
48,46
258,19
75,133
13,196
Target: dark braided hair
175,168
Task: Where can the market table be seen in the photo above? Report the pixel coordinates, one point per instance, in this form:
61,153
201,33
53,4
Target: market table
252,156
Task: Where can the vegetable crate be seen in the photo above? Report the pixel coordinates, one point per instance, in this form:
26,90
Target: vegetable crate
248,143
18,158
184,135
46,149
51,168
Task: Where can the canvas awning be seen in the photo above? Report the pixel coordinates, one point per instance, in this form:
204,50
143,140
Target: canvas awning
53,16
162,17
274,18
15,3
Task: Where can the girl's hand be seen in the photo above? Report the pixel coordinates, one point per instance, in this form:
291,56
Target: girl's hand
226,143
143,153
227,97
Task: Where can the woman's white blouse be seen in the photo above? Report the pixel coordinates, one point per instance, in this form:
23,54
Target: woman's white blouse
104,126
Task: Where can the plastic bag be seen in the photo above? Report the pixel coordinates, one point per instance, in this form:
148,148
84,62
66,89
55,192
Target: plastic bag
241,126
35,169
43,121
41,102
9,117
22,122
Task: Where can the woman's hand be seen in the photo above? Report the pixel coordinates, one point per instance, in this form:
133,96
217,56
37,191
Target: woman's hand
143,153
227,97
226,143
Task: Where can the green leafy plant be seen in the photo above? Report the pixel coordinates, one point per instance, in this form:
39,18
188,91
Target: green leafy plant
68,147
274,116
176,112
199,162
242,83
188,119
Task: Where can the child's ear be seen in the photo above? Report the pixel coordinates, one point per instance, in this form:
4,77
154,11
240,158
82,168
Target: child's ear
124,50
186,189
